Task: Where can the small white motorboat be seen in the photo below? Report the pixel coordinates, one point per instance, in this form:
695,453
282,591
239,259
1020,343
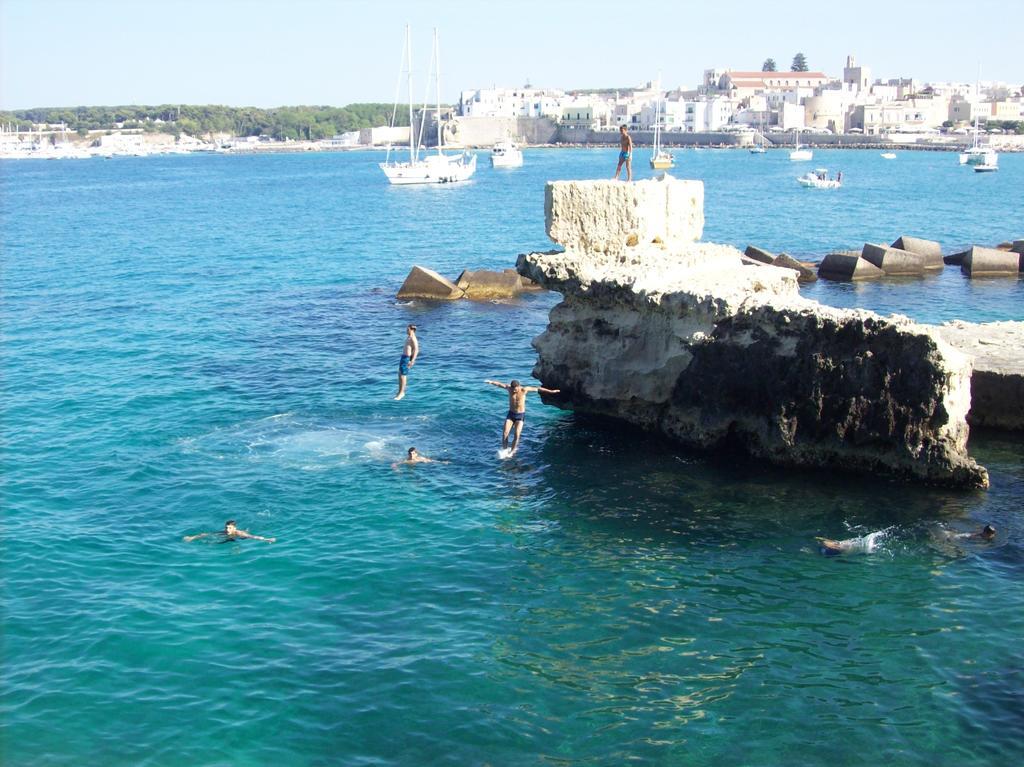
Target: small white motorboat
818,179
888,155
986,167
505,154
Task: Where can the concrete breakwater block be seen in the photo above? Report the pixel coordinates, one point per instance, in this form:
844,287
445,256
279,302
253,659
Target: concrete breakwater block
604,216
481,284
1018,247
894,261
847,266
930,249
759,255
956,258
804,273
426,283
985,262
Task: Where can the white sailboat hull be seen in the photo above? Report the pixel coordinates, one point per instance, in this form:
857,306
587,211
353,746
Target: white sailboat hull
662,161
800,155
978,156
434,169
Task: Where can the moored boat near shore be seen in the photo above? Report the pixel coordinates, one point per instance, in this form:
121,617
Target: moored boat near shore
435,168
506,154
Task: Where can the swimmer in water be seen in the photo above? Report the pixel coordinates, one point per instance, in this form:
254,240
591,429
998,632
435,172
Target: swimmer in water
413,457
516,409
986,533
865,544
230,533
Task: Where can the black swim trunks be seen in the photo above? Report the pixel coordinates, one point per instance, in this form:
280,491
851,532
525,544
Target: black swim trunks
515,416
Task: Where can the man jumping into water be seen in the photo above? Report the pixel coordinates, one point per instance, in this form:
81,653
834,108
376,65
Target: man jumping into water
409,353
625,155
230,533
516,409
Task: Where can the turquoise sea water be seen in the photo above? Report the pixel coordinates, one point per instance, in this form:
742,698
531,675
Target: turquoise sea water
191,339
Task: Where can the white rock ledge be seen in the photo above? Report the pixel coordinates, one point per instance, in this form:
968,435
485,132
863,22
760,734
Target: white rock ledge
679,337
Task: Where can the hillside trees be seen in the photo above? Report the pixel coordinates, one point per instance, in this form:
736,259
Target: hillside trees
296,122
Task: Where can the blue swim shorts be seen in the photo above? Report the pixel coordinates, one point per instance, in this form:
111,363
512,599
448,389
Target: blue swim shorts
403,365
623,155
515,416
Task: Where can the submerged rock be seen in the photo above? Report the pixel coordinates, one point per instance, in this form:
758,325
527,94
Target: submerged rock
683,339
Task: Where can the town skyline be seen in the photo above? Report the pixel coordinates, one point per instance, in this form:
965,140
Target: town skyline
261,54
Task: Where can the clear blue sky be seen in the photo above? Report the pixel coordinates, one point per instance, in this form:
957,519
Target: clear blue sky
277,52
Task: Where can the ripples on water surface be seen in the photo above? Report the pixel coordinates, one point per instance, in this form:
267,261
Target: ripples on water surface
193,339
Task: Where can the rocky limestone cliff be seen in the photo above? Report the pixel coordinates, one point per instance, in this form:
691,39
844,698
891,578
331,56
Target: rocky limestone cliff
680,337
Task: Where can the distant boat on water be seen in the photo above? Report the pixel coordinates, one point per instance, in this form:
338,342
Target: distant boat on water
506,154
818,179
977,154
660,159
798,154
432,168
759,148
888,155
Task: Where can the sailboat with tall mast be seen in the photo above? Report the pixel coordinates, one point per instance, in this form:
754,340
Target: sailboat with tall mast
759,148
800,154
660,159
429,168
977,154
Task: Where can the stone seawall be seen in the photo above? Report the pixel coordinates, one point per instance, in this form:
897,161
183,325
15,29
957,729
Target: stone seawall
680,337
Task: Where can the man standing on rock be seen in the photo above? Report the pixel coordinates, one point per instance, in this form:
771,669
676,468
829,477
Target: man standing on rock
409,354
516,410
625,154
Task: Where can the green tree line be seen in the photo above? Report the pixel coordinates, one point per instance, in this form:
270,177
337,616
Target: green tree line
300,122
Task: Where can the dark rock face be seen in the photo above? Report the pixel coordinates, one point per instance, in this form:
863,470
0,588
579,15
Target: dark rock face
852,396
683,339
846,391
